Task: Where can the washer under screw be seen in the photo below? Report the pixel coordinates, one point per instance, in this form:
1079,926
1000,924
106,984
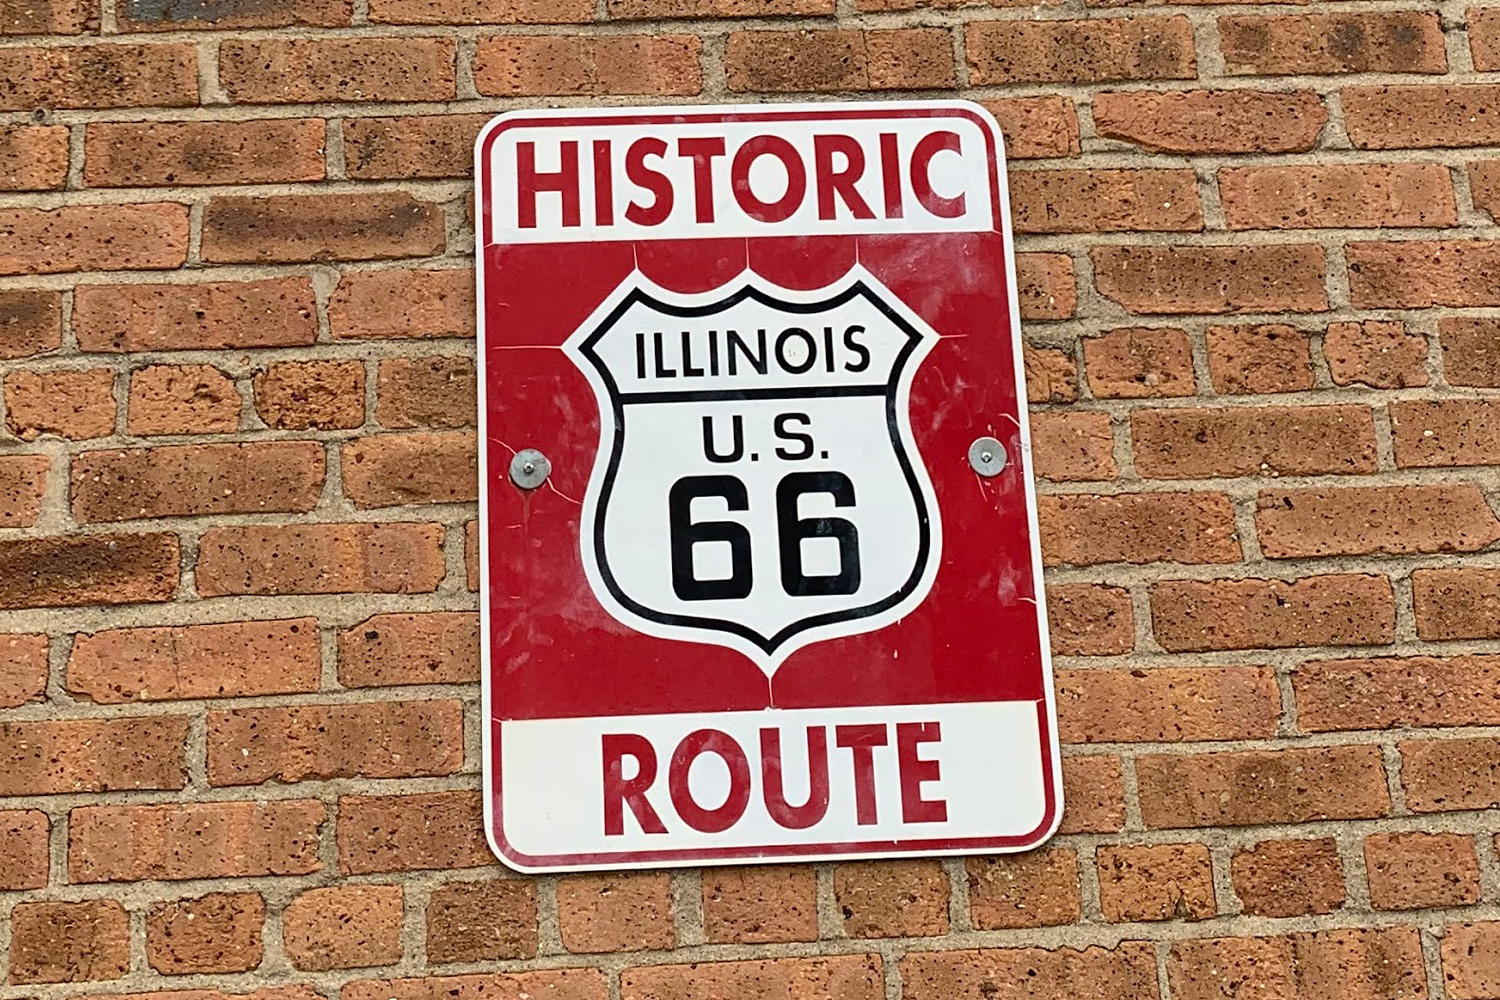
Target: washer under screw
987,457
529,469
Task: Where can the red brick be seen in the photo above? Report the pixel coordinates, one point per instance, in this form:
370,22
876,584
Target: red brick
1471,961
194,840
1484,39
892,898
274,312
846,977
23,482
197,480
436,647
1420,117
551,984
1268,357
1252,787
1445,432
303,395
393,470
232,660
1051,375
23,849
1125,972
1395,520
1338,196
1035,889
627,911
1288,878
1471,350
1093,795
1382,354
1414,871
215,933
343,927
1036,127
760,904
537,65
1394,692
1212,279
88,569
1045,286
1104,201
1419,274
23,669
641,9
471,555
481,11
1073,447
1212,121
1089,619
1337,610
153,15
1089,51
1484,186
1085,530
99,76
412,147
69,942
151,237
160,154
379,305
1394,42
1139,363
1202,442
426,392
482,921
1457,603
1381,963
1166,704
320,227
1449,775
839,59
33,157
76,404
321,559
305,70
47,758
394,739
182,399
49,17
1155,882
388,833
30,321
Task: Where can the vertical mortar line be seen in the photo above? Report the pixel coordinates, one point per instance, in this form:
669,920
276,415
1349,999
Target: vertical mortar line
1140,610
830,920
54,514
77,132
958,894
1489,867
455,561
1391,758
473,734
197,752
328,675
210,92
1134,821
371,386
1086,871
549,930
1206,41
1221,861
1339,295
414,898
1385,440
195,232
712,64
890,968
1432,962
334,166
1401,592
58,823
1163,980
325,281
360,15
464,53
958,34
687,907
108,22
1289,723
1207,175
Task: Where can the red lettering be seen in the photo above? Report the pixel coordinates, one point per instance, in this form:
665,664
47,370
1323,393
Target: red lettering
796,186
651,180
861,742
914,771
620,792
810,812
840,182
604,184
529,181
921,179
726,815
890,170
702,152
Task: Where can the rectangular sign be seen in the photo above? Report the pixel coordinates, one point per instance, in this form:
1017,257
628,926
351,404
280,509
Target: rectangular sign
758,544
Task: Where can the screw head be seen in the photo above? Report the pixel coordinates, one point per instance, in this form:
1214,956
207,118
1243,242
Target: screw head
529,469
987,457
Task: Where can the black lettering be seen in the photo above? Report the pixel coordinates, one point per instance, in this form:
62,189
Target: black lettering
737,345
737,425
854,345
796,332
780,425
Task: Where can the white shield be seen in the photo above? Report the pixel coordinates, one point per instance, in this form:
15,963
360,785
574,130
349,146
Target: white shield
757,485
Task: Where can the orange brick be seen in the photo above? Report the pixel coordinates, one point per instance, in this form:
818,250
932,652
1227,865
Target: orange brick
33,157
390,833
1414,871
1036,127
839,59
235,659
482,921
1125,972
23,849
1419,274
1051,375
1484,186
1045,286
379,305
1471,351
1090,619
194,840
49,17
553,984
426,392
1035,889
636,9
757,905
1420,117
1396,520
1073,447
69,942
1470,967
892,898
616,912
436,647
1212,279
1167,704
153,15
1139,363
1338,196
150,237
1104,201
847,977
303,395
412,147
1448,775
1456,603
1362,963
1089,51
182,399
196,480
1212,121
1289,878
215,933
1155,882
321,559
1336,610
343,927
304,70
1392,692
392,470
394,739
99,76
275,312
1444,432
320,227
23,669
161,154
1395,42
1203,442
481,11
1085,530
23,483
471,555
1251,787
88,569
43,758
536,65
76,404
1093,795
1268,357
30,322
1382,354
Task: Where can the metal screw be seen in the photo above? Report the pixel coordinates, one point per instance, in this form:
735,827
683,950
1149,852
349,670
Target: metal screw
987,457
529,469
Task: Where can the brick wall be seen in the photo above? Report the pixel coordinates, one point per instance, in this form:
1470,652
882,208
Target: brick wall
238,698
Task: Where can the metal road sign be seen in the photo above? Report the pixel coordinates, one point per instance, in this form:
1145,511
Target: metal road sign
760,573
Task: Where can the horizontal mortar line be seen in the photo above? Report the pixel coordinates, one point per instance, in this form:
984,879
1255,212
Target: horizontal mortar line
212,272
1285,570
331,610
95,197
57,710
268,792
1290,657
1251,488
